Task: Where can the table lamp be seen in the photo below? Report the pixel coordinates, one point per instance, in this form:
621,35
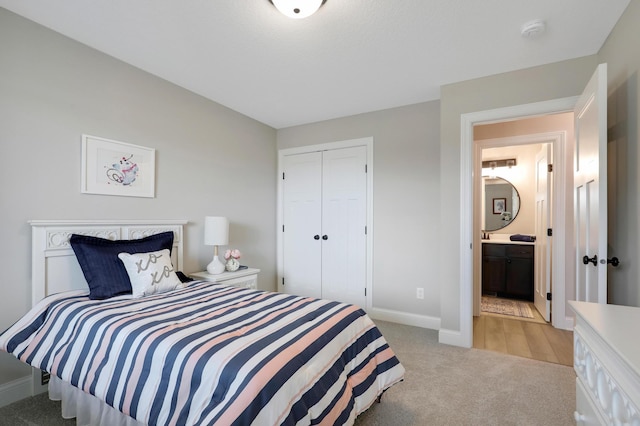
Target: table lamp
216,233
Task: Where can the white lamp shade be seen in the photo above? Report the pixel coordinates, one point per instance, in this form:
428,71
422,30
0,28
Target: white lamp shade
216,231
297,9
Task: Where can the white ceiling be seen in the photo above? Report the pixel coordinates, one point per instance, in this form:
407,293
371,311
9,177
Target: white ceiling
351,57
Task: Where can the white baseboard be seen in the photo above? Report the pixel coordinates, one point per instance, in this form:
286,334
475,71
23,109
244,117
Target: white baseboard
404,318
453,338
15,391
566,324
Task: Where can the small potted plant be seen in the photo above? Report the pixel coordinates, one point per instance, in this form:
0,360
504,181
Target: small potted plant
232,256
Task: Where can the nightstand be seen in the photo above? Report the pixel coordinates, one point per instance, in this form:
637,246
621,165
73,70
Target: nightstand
247,278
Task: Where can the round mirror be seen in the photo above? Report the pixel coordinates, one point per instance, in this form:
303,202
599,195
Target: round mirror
501,203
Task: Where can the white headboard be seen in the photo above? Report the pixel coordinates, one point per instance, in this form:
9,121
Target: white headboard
54,266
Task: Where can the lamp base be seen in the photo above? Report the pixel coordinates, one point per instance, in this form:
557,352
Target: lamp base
215,267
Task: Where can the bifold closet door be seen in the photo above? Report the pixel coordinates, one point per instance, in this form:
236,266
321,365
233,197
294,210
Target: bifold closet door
302,204
324,217
344,214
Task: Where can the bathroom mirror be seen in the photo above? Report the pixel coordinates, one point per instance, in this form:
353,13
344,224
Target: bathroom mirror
501,203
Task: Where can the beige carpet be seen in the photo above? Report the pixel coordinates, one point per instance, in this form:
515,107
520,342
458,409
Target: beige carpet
513,308
444,385
447,385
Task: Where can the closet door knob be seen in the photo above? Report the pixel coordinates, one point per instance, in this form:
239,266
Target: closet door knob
324,237
593,260
316,237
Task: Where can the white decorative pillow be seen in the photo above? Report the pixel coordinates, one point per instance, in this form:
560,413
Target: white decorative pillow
150,273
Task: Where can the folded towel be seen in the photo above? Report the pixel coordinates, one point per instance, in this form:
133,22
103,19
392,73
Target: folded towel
525,238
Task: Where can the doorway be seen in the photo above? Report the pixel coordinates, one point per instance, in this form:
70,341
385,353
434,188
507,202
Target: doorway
565,255
560,255
517,167
522,140
505,318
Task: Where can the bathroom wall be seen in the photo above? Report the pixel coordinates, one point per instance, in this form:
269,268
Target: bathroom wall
522,177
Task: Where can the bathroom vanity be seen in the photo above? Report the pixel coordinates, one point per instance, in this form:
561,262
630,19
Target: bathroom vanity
508,268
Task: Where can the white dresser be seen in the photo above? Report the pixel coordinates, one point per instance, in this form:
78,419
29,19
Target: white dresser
607,364
247,278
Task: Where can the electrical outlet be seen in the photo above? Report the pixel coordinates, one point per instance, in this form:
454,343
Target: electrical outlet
420,293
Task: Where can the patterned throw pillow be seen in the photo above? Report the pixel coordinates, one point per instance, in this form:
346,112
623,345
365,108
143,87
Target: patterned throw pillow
98,258
150,273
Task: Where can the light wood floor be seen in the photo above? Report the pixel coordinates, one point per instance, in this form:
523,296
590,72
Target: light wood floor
529,339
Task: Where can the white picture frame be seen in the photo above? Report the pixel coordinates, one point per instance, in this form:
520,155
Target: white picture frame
112,167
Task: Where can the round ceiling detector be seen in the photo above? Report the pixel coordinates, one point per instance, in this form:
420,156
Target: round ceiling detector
533,29
297,9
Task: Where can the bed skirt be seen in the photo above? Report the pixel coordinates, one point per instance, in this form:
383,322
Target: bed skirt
87,409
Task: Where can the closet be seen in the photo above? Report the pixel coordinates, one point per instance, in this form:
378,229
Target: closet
324,218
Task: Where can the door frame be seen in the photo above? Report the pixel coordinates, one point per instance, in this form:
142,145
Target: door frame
467,121
368,143
557,139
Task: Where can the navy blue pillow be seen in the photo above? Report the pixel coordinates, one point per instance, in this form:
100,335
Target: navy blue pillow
104,272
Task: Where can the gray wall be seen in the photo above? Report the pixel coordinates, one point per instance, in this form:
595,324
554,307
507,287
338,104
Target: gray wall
209,160
621,52
547,82
406,193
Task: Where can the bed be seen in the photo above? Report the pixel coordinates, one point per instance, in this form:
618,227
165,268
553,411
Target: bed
198,353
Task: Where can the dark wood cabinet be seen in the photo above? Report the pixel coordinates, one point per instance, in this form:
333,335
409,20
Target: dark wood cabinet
507,270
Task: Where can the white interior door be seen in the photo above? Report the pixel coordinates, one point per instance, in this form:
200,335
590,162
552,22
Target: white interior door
542,275
302,207
590,190
344,214
324,198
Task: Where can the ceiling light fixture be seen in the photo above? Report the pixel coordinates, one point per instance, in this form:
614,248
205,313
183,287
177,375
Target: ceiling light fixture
297,9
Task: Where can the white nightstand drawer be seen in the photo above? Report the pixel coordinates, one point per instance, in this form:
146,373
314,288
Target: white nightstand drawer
247,278
250,281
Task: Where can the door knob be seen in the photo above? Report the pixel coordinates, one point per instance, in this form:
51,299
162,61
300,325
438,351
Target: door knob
324,237
593,260
614,261
316,237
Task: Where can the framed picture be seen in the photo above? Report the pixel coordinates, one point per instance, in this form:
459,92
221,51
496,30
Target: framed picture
499,205
117,168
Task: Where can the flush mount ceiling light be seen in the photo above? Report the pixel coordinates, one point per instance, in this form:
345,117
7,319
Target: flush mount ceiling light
297,9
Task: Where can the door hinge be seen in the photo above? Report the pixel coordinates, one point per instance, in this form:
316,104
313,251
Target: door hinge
365,230
282,175
365,168
365,291
549,232
548,296
549,168
282,280
282,228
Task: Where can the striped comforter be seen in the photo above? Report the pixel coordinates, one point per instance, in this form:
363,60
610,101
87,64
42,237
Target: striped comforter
211,354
